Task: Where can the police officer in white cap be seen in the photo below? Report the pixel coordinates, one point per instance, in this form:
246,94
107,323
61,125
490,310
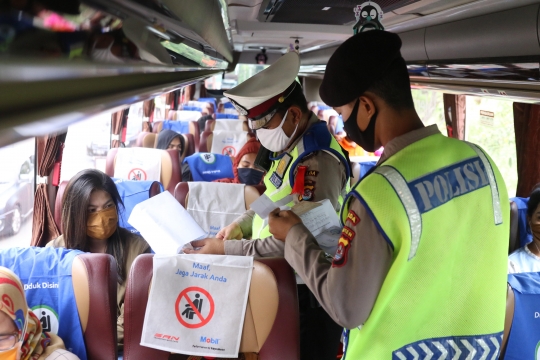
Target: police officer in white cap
307,164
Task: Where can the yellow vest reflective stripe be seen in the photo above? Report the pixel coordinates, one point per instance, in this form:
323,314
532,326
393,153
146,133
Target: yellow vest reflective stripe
445,290
316,138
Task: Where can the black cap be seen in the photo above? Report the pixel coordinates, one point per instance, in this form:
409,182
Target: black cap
356,64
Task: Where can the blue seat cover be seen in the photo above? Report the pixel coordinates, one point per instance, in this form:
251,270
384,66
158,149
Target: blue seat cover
46,277
181,127
525,236
209,167
524,339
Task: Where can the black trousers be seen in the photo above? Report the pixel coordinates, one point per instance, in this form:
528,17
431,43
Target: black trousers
319,334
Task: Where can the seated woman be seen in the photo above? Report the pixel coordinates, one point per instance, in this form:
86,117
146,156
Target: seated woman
21,334
170,140
527,258
90,209
244,168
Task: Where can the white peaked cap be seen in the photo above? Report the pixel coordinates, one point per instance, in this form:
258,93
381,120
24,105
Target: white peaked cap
267,84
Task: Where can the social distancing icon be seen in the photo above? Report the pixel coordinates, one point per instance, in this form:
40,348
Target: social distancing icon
194,307
137,174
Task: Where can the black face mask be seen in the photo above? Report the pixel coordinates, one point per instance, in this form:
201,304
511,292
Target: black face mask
250,176
366,138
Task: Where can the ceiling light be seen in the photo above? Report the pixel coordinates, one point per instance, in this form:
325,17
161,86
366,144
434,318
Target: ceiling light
326,8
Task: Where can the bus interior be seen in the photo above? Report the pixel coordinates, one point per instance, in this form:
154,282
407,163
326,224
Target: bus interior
81,78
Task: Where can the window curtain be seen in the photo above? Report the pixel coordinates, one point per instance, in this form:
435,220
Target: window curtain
148,109
44,228
118,122
454,115
527,130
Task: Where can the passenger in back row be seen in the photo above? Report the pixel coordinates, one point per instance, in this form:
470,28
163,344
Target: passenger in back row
170,140
90,209
244,168
306,162
21,335
527,258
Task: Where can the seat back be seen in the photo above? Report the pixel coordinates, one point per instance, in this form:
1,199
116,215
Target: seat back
189,148
523,235
513,244
149,141
508,317
157,126
205,144
214,205
271,324
94,283
170,175
195,131
58,205
251,193
140,138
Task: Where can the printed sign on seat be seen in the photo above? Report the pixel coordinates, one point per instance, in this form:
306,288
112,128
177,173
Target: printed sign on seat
228,142
271,322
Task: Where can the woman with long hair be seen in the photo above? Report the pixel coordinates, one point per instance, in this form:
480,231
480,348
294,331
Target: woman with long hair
90,208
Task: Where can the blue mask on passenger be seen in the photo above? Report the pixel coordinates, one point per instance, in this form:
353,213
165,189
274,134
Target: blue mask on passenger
250,176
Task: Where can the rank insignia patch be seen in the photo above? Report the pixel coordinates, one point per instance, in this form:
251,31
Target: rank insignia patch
353,218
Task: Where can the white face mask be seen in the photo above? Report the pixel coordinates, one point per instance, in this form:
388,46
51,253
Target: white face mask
275,139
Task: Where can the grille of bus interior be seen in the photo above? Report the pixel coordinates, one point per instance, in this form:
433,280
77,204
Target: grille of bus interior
340,12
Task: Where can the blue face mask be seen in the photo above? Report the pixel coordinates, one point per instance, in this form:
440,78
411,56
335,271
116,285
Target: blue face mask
250,176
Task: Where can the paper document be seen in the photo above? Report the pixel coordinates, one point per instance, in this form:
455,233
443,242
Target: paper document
165,224
323,222
263,206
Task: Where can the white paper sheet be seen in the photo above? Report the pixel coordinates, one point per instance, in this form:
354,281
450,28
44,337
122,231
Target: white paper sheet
263,206
164,223
324,224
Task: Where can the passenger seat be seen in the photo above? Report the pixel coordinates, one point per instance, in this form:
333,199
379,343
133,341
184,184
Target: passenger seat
271,325
171,173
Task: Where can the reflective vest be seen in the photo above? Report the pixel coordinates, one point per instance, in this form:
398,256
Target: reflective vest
442,206
209,167
280,178
46,277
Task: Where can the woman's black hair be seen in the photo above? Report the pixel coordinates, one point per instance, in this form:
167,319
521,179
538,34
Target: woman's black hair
534,200
75,214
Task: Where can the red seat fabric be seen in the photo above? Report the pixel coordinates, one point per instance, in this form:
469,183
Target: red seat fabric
100,333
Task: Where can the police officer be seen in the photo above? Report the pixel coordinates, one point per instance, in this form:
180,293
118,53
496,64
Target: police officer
421,261
307,165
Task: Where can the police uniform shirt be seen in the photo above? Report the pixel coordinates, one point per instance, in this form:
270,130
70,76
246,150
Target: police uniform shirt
325,178
363,264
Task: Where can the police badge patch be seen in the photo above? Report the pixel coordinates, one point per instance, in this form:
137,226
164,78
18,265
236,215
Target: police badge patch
281,169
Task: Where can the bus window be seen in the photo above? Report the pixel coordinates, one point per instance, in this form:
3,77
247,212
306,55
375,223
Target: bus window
490,124
17,193
429,106
87,144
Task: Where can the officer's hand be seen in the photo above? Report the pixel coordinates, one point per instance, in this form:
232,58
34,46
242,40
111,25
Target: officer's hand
230,232
207,246
280,222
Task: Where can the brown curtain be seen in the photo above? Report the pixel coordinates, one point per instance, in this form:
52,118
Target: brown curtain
148,109
118,122
44,228
527,130
455,115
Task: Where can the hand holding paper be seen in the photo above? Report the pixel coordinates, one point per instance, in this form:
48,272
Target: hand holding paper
281,222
